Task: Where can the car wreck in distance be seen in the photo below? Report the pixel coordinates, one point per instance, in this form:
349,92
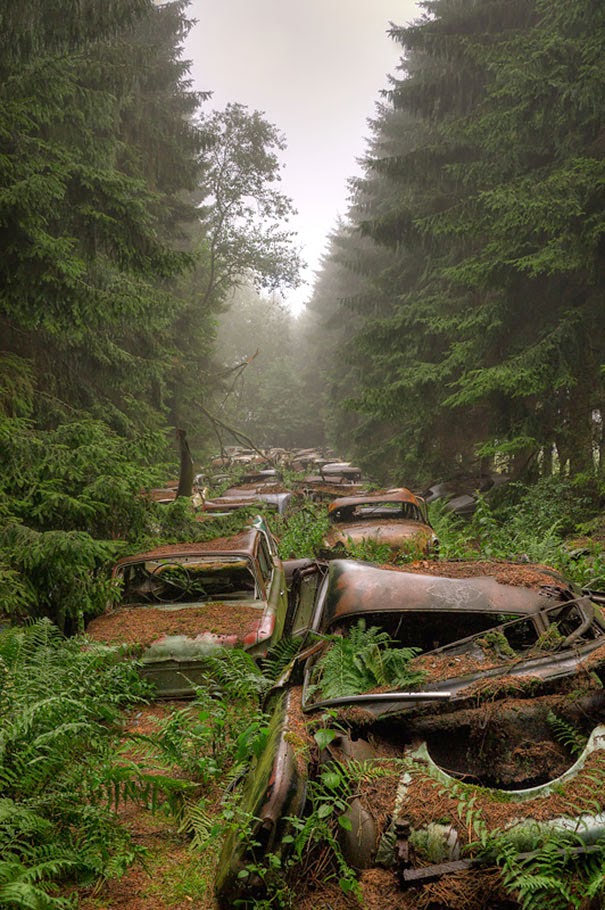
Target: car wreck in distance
181,602
396,518
442,690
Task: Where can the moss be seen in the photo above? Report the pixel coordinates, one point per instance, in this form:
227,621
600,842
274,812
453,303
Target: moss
496,642
551,640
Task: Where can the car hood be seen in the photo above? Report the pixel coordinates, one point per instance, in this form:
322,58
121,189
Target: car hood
394,533
176,631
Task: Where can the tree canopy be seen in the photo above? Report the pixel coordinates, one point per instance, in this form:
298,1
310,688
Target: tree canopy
482,331
126,219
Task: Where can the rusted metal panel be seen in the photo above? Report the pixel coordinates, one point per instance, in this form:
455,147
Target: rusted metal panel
396,534
357,588
399,495
244,544
396,518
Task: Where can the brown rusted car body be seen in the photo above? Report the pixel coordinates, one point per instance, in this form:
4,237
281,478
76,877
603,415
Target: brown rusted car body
498,659
396,518
318,490
168,494
271,495
182,602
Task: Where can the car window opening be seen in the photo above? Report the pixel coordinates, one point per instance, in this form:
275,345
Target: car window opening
436,629
188,582
381,510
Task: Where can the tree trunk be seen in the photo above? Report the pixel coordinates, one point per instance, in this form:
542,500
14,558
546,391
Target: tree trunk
581,459
185,487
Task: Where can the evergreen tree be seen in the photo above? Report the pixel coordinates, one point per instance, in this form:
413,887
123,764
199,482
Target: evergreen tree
87,236
483,183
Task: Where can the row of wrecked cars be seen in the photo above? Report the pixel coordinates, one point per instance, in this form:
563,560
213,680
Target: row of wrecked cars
429,687
396,518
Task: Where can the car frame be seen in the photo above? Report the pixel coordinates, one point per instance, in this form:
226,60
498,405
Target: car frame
472,687
396,518
182,588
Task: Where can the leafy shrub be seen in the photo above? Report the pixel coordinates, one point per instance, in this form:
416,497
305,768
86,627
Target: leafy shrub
359,661
59,711
66,495
453,532
302,533
80,476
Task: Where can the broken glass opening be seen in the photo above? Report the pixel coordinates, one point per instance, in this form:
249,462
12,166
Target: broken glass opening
190,580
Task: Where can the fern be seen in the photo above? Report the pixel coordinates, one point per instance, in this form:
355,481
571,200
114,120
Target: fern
59,767
542,880
279,657
18,886
566,734
362,660
235,673
199,824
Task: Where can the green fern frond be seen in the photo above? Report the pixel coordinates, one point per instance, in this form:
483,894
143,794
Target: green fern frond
566,734
236,674
279,657
198,824
361,660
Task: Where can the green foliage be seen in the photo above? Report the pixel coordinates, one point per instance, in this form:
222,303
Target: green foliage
280,655
63,491
550,878
59,765
60,573
469,297
99,157
244,211
302,533
371,550
455,536
313,842
224,728
528,522
79,476
566,734
360,660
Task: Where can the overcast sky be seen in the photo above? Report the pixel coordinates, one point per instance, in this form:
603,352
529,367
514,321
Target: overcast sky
315,68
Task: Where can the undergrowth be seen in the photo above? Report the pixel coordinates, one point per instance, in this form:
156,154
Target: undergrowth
302,534
531,524
360,661
60,769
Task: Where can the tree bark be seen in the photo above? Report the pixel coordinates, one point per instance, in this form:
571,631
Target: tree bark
185,487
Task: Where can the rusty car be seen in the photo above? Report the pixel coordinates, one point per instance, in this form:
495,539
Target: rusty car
181,602
396,518
266,492
482,668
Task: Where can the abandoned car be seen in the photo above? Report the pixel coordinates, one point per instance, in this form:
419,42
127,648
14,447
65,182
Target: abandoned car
397,518
180,603
414,694
272,496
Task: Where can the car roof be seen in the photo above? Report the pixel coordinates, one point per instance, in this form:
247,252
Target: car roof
400,495
357,589
243,544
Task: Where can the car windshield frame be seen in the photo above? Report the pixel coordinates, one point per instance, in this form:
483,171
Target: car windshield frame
388,510
204,577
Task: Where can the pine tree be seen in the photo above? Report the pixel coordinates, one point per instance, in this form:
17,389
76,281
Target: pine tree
484,181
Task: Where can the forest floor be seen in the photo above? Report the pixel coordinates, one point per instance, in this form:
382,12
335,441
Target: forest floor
170,874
